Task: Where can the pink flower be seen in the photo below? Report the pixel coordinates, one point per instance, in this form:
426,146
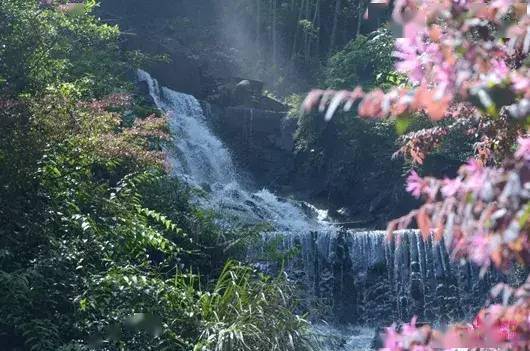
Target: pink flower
410,328
476,181
523,152
312,99
404,10
451,186
479,250
505,330
520,83
473,166
421,348
503,5
475,175
410,64
392,340
415,184
500,68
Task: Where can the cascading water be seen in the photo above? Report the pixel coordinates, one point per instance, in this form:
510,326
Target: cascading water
201,159
366,279
346,277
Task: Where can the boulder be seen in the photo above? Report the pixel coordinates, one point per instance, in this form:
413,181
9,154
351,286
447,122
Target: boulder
270,104
181,74
242,94
239,92
142,89
261,140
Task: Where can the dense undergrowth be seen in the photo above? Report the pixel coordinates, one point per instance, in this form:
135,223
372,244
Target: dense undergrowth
355,158
100,247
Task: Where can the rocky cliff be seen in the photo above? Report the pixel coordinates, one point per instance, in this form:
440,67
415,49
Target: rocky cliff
350,174
346,168
262,141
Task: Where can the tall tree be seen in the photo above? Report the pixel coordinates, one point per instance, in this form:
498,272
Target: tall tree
336,17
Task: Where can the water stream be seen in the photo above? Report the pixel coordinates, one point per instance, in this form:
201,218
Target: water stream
355,280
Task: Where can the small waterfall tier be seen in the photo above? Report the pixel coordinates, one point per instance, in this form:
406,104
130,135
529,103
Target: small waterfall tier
364,278
346,277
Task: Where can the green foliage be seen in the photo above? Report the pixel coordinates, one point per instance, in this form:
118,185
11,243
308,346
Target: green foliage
456,148
272,251
364,61
100,248
308,27
249,311
44,46
294,101
387,80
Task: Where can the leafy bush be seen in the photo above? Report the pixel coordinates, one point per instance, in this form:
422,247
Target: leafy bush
249,311
46,45
366,60
100,248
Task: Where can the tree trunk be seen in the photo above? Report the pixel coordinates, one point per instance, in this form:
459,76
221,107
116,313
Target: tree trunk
333,40
258,22
314,25
307,37
274,33
359,18
295,39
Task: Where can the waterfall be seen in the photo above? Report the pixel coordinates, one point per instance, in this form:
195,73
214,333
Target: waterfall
346,277
199,158
366,279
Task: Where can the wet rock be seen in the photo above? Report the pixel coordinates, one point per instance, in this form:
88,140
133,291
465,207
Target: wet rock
269,104
242,94
379,202
262,141
416,289
206,187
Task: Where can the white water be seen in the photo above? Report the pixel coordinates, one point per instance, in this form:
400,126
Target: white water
369,279
200,159
344,339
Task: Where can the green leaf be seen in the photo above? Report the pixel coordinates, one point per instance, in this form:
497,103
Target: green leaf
402,125
54,171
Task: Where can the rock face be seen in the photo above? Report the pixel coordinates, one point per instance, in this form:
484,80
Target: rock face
241,92
177,38
261,140
352,175
180,73
346,165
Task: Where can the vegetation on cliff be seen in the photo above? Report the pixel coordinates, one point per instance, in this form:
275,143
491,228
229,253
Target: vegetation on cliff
100,247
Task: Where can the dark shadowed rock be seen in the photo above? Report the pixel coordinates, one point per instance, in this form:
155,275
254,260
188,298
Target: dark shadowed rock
270,104
142,88
261,140
242,94
181,74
